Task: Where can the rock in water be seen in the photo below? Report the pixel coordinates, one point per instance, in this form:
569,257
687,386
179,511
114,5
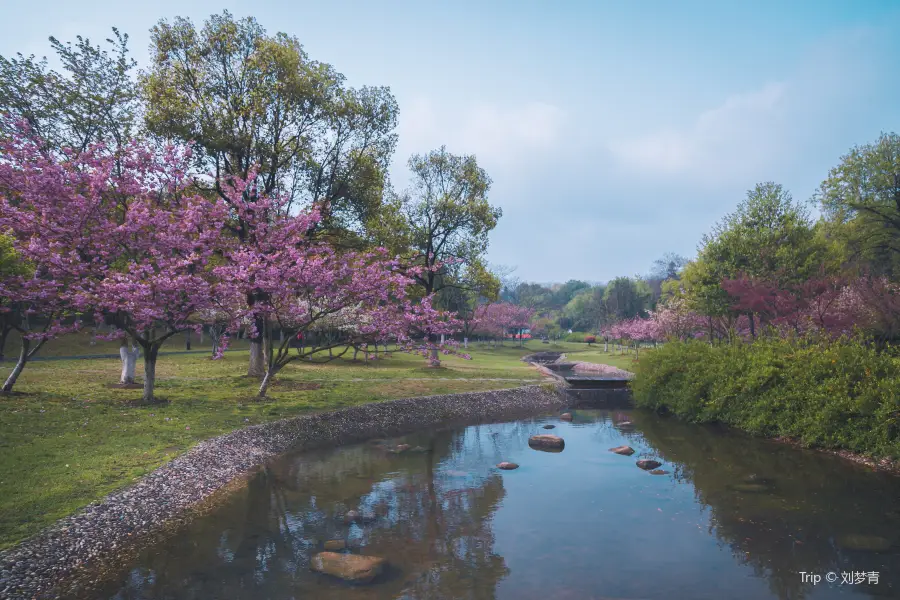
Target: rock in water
623,450
507,466
335,545
352,516
349,567
865,543
551,443
648,464
566,416
658,472
400,448
548,426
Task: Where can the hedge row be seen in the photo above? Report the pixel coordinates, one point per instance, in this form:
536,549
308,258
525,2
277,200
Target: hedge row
839,394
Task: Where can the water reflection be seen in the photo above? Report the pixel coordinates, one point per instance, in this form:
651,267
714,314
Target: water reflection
736,518
782,510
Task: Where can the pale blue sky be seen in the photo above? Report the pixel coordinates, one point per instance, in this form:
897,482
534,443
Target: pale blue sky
614,131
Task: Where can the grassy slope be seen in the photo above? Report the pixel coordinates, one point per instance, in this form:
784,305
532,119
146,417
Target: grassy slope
67,438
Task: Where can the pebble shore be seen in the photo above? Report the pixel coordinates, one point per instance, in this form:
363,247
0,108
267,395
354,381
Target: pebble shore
64,559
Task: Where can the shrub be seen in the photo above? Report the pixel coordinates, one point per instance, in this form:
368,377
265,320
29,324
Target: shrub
826,393
575,336
590,339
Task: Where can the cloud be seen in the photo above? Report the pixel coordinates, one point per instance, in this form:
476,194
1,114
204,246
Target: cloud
498,136
723,142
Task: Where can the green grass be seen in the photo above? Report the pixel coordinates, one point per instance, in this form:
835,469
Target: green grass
67,438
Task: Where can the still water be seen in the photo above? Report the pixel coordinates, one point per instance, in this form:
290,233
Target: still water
735,518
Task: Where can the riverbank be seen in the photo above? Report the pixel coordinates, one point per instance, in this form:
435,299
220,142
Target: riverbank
840,396
105,533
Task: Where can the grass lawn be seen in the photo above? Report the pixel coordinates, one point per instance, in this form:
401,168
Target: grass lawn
68,438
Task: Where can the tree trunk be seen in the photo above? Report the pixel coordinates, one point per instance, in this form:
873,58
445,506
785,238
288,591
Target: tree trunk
466,343
257,360
442,339
20,364
355,351
258,365
201,336
606,345
129,355
267,379
4,334
150,354
187,339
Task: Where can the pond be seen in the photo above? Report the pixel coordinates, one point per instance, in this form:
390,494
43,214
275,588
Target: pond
734,517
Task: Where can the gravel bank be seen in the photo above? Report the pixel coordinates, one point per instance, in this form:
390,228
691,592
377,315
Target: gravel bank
66,556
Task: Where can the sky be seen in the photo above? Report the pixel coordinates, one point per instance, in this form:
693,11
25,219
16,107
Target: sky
614,132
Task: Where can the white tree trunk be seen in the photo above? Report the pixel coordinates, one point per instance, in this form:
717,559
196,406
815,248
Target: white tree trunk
442,339
128,355
466,343
257,360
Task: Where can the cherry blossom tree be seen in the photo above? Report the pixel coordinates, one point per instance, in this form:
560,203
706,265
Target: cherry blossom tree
300,284
121,238
499,319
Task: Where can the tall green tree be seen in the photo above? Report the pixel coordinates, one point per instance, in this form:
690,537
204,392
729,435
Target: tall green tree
250,100
95,97
445,219
626,298
861,202
769,236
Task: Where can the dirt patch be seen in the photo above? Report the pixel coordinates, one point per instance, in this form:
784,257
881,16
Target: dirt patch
124,386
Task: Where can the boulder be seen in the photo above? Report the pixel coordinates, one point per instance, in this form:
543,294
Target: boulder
551,443
864,543
659,472
548,426
648,464
507,466
623,450
566,416
349,567
400,448
335,545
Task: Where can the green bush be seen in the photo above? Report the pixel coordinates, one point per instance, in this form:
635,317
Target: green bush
576,336
830,394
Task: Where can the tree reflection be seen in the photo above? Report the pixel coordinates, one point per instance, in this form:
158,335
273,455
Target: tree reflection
431,522
780,510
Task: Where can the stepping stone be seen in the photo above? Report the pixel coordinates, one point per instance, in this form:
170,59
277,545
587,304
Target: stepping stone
349,567
648,464
549,443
